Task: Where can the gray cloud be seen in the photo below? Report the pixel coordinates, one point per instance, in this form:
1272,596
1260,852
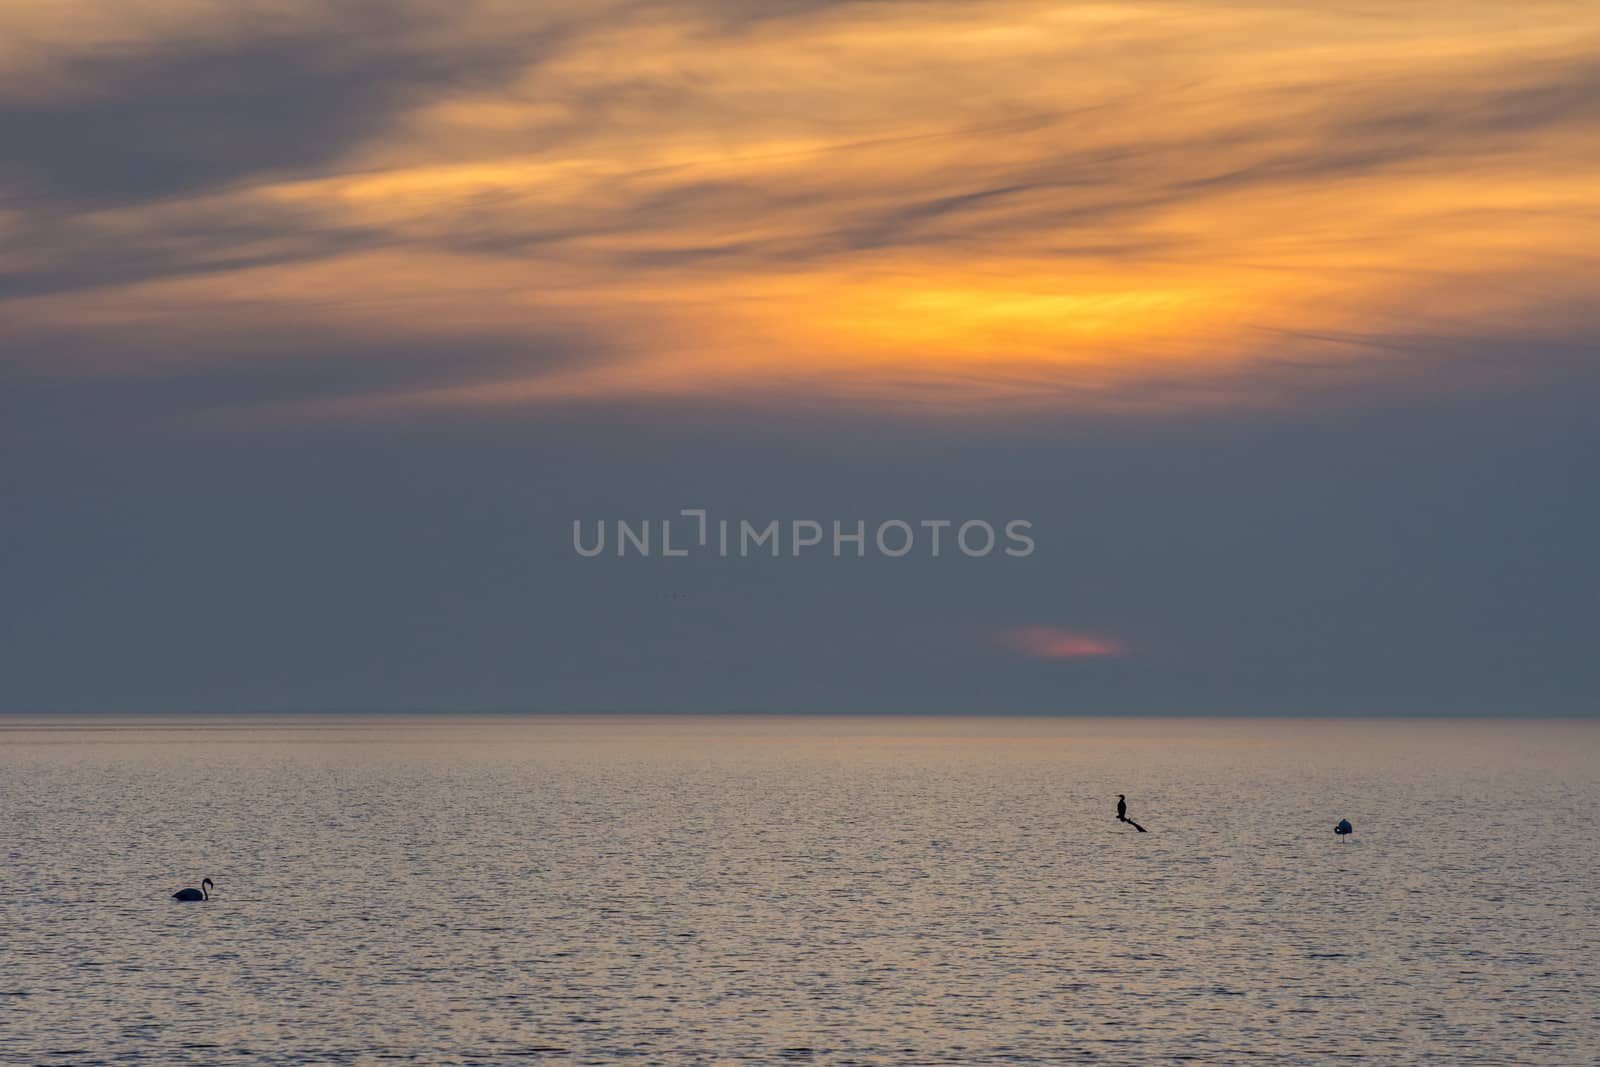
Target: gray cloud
70,253
139,384
180,116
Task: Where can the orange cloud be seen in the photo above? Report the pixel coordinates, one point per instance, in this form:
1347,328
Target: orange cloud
1049,642
1003,204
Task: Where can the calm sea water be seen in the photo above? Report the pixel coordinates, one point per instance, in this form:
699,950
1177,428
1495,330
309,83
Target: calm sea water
716,890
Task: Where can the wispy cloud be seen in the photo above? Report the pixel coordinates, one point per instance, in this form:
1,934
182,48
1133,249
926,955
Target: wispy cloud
941,205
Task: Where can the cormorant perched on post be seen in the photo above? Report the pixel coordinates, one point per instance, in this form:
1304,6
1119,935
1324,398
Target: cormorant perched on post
1122,813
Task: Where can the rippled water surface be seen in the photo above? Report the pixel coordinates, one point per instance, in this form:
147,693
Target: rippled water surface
832,891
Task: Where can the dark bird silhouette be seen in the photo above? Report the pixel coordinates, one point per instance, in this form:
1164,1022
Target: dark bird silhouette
1344,828
203,893
1122,813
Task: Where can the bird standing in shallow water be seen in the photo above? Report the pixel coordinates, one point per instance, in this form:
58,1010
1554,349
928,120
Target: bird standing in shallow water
203,893
1343,829
1122,813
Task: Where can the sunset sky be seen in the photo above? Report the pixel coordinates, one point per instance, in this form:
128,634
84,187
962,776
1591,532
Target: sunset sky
321,322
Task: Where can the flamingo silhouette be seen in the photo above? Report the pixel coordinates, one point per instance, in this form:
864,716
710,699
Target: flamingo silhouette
203,893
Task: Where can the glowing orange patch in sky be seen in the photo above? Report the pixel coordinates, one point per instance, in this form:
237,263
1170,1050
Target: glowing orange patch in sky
1048,642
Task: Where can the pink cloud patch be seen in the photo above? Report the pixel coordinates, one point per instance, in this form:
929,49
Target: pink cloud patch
1047,642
